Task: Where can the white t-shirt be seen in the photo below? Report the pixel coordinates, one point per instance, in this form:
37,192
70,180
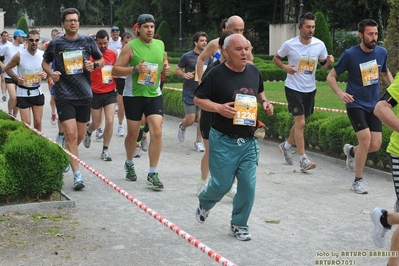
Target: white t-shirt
9,50
115,45
304,58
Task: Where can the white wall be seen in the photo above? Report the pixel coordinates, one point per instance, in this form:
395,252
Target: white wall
279,33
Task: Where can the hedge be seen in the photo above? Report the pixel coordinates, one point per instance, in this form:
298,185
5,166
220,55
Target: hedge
33,166
322,132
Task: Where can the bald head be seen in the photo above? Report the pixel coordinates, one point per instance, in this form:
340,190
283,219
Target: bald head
236,24
234,38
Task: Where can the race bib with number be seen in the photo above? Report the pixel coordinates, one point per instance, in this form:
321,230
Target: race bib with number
247,110
196,73
307,64
106,74
150,77
73,62
369,72
32,78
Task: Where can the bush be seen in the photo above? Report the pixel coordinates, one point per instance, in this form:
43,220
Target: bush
22,24
172,78
121,27
322,31
166,36
343,40
334,131
33,166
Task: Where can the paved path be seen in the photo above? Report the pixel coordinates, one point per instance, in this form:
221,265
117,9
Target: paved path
313,214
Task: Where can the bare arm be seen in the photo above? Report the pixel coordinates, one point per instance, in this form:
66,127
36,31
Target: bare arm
332,81
209,51
328,62
166,68
121,67
277,60
383,111
227,109
387,77
266,105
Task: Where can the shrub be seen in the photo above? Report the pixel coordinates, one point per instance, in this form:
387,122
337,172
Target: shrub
8,185
121,27
166,36
172,78
322,31
22,24
35,163
7,126
334,131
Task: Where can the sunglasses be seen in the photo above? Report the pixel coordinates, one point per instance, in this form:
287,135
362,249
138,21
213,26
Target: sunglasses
33,40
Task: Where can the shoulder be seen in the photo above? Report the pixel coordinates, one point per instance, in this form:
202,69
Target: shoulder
380,49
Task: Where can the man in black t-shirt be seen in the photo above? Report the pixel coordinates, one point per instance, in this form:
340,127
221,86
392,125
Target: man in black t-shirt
231,92
71,78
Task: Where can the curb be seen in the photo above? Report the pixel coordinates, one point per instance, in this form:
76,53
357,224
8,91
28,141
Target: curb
69,203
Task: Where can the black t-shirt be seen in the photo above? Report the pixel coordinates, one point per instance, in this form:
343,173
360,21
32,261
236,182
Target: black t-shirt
221,85
72,86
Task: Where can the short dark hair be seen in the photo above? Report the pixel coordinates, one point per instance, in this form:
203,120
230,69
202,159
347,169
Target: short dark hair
364,23
126,35
306,16
223,36
33,32
199,34
223,24
4,32
69,10
101,34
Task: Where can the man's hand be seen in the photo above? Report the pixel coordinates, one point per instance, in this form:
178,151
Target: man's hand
227,110
166,69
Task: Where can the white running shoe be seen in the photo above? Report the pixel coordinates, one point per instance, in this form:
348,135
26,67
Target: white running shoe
121,130
199,147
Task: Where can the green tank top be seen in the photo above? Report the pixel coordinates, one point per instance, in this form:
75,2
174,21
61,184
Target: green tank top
393,146
147,84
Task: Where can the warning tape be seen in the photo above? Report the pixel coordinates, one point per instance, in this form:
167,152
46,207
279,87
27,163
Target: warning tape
177,230
285,104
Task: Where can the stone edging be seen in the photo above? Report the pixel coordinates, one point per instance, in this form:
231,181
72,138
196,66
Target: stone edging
69,203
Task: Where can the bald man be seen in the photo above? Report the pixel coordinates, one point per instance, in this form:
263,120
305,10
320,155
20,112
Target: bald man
235,24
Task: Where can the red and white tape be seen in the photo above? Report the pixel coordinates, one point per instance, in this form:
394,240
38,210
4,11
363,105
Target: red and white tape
177,230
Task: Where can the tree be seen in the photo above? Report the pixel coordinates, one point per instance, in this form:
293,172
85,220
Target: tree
119,24
164,31
23,25
322,31
392,37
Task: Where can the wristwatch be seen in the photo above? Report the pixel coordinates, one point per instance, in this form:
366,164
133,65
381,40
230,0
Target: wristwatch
96,65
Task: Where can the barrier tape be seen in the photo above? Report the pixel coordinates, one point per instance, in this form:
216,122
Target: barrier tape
286,104
177,230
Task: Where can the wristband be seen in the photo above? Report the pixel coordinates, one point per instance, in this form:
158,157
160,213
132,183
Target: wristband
265,101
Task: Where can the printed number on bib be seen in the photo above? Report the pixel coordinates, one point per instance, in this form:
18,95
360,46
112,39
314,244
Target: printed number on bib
247,110
150,77
369,72
307,64
73,62
32,78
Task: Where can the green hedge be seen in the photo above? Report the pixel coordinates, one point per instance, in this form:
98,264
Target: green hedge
33,166
322,132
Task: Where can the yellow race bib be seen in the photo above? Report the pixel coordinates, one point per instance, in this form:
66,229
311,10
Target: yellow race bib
106,74
150,77
73,62
32,78
307,65
369,72
247,110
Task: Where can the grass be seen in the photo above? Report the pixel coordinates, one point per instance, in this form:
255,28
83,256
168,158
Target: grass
325,97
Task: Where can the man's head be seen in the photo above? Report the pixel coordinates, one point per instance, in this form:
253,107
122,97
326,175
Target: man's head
19,36
70,20
125,38
236,24
223,25
368,32
4,36
236,48
146,26
54,33
200,40
307,25
33,40
102,40
115,33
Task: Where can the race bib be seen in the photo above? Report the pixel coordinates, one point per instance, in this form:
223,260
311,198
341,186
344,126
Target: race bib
247,110
196,73
73,62
106,74
307,65
150,77
369,72
32,78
